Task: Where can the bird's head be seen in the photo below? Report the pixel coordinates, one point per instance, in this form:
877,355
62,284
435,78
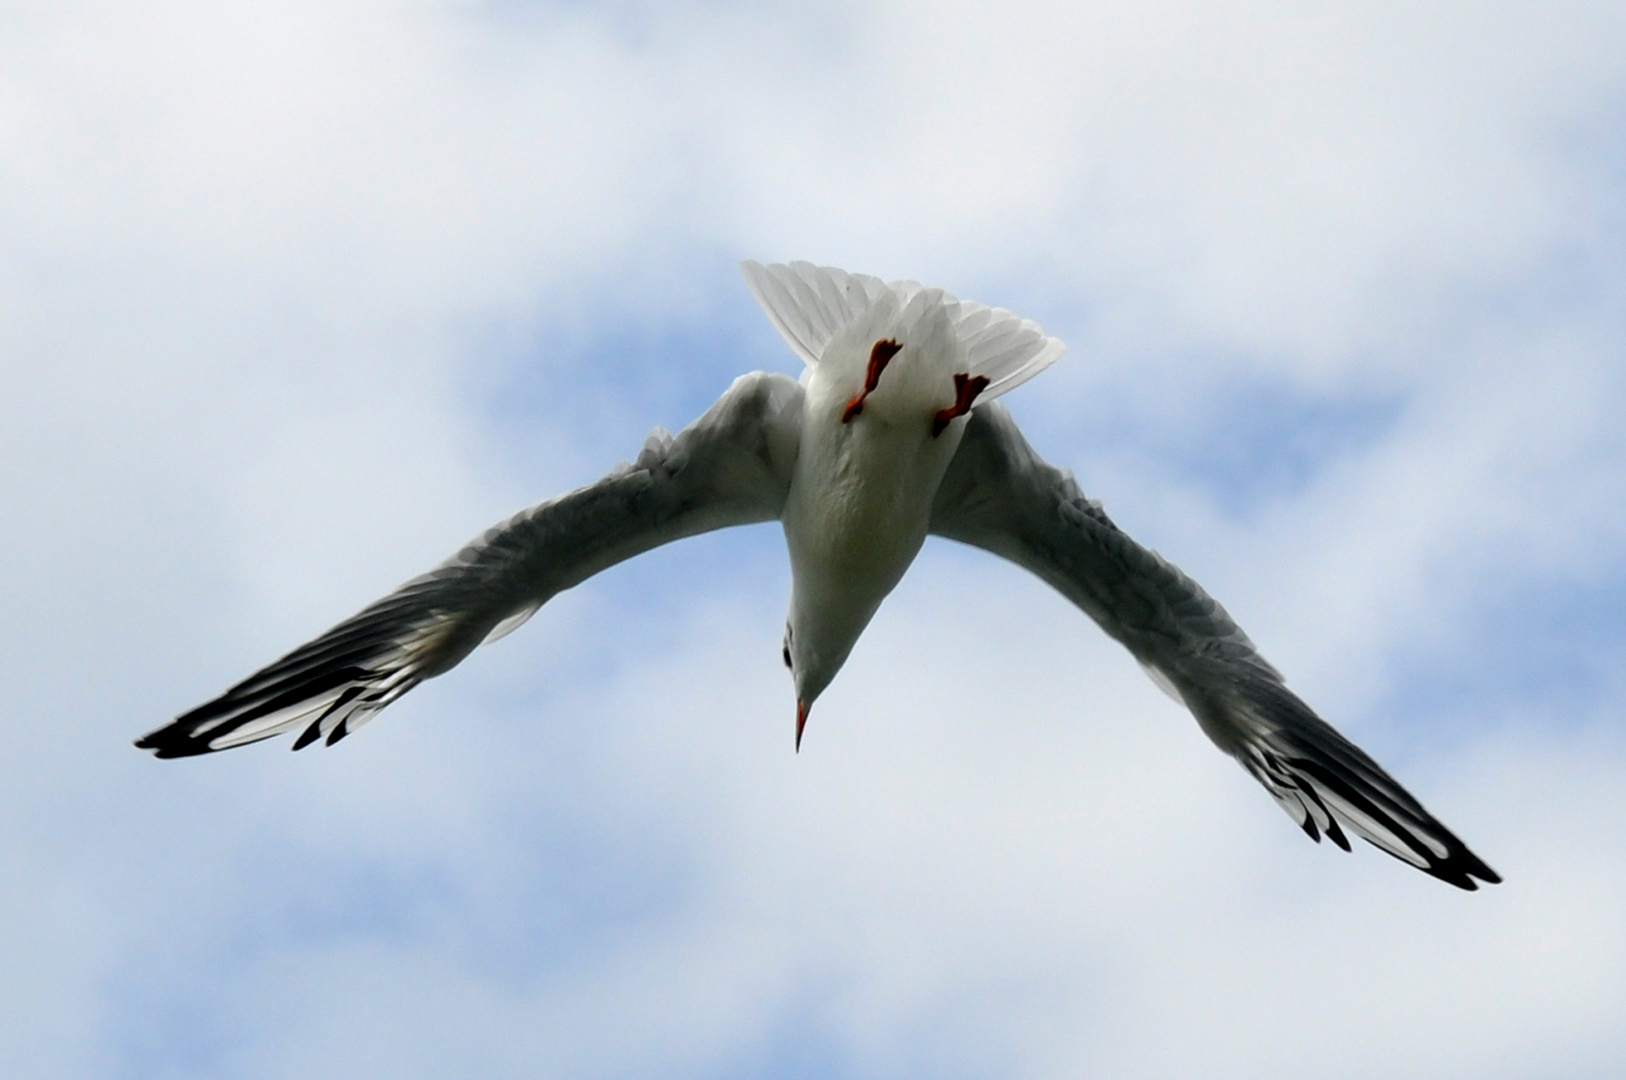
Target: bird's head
818,640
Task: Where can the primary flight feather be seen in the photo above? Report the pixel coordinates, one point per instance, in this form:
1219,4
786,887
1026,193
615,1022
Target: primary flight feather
891,434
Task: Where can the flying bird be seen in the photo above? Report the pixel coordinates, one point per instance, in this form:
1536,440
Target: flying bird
892,433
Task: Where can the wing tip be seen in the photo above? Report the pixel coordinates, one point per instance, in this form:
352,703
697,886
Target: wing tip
1318,795
173,740
1458,866
1463,872
1464,867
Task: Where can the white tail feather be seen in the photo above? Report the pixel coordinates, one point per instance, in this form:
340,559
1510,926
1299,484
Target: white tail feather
809,304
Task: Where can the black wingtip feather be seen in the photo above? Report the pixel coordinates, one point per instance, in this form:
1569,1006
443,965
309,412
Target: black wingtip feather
1458,866
164,743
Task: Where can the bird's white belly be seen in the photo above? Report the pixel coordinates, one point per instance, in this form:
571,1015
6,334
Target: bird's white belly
858,511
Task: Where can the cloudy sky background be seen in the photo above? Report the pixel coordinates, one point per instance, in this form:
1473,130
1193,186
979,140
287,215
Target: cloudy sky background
296,297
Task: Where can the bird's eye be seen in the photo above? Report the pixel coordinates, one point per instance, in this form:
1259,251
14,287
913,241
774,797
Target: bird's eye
787,656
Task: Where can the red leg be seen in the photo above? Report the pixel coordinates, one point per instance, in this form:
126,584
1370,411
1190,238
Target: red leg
879,356
966,389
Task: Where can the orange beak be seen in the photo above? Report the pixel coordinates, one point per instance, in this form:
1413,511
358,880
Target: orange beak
801,722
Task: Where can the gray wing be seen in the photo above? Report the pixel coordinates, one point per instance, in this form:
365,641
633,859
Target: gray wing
730,467
1000,496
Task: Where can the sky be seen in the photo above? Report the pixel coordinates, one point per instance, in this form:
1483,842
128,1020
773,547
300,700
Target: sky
297,297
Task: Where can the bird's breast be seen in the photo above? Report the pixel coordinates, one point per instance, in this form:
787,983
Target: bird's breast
860,503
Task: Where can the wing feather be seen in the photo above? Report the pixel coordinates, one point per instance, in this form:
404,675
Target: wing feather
730,467
1000,496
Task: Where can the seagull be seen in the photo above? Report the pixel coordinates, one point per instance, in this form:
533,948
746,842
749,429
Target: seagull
893,432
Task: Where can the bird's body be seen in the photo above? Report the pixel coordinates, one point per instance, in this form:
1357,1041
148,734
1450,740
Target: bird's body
868,467
855,517
892,434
